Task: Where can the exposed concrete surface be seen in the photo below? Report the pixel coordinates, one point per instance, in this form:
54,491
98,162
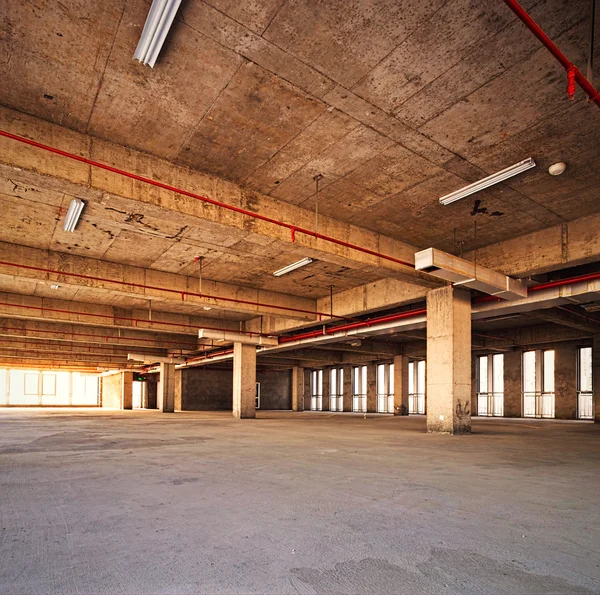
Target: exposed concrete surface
139,502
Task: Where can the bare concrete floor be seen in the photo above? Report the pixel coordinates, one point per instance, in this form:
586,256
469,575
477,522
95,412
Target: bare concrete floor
143,502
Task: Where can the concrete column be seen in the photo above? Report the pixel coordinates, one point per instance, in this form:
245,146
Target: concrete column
144,403
347,400
178,396
166,393
297,389
371,388
565,381
400,385
244,381
307,374
449,360
127,390
596,377
513,383
326,389
473,385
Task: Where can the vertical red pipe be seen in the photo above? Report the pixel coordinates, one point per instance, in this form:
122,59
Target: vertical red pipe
589,89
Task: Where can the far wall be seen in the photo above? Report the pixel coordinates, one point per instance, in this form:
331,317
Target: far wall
210,389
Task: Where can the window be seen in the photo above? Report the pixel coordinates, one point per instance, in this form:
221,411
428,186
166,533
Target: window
336,384
490,385
585,408
359,389
385,388
316,390
538,383
416,387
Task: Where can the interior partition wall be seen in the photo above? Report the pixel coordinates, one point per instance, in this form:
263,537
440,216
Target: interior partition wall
359,389
336,387
416,387
316,390
47,388
585,394
538,383
490,385
385,388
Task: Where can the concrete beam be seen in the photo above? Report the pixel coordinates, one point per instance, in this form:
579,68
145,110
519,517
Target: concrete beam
28,158
137,282
557,247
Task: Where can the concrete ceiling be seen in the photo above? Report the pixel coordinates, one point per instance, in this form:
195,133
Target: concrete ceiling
395,103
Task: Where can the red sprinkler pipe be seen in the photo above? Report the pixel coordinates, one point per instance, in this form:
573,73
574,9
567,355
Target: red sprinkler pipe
572,70
134,320
355,325
294,229
167,289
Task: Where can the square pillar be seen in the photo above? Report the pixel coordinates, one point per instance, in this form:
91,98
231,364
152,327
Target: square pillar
307,374
400,385
449,360
372,388
178,397
513,383
166,391
244,381
347,396
127,390
596,377
326,402
297,389
565,381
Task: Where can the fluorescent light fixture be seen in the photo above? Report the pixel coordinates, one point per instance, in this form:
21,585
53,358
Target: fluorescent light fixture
496,178
54,286
292,267
73,214
159,21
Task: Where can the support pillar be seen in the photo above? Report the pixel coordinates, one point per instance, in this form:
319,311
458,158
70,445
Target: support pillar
565,381
307,374
400,385
596,377
127,390
372,388
166,388
513,383
347,386
297,389
244,381
178,397
326,402
474,403
449,359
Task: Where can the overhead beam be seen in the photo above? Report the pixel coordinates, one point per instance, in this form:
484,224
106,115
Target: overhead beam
29,158
135,282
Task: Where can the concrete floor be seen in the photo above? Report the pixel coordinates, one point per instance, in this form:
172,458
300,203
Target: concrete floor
143,502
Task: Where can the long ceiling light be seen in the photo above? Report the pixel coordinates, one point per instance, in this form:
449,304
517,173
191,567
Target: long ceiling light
159,21
500,176
73,214
292,267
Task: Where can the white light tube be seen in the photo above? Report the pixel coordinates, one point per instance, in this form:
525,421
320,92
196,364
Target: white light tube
73,214
500,176
157,26
292,267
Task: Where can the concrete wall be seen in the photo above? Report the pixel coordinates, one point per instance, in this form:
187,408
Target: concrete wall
117,390
206,389
275,389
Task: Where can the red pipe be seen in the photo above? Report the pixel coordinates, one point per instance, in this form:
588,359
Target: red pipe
355,325
588,88
134,320
293,228
36,343
166,289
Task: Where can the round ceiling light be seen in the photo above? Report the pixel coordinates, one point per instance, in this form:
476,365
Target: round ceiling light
557,168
